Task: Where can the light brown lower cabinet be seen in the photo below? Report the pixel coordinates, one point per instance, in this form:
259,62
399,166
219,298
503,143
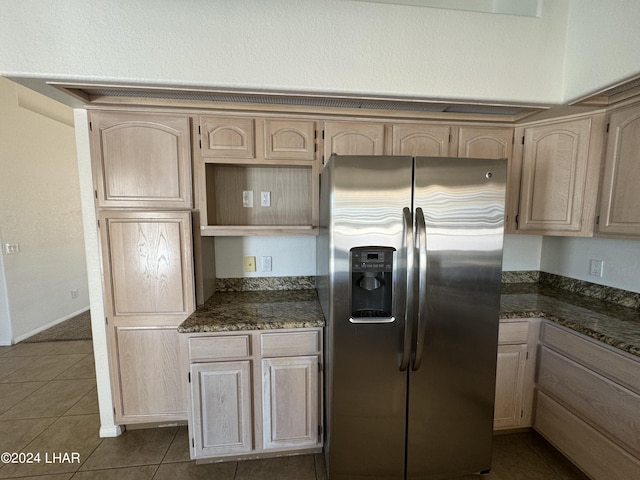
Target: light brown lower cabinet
588,399
150,387
515,372
255,393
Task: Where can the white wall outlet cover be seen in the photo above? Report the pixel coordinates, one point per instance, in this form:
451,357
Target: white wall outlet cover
247,198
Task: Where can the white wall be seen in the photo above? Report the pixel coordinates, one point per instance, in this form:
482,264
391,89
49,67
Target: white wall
301,45
571,257
290,255
296,255
602,45
40,211
521,252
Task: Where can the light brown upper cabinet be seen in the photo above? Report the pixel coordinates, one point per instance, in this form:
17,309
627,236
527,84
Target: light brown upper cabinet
493,142
353,138
422,140
256,175
559,164
141,159
290,140
227,137
620,194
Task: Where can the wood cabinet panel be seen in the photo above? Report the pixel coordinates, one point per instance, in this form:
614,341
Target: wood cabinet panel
611,364
484,142
595,454
290,343
510,375
290,402
221,397
216,348
620,197
149,383
227,137
289,140
611,408
141,159
560,162
353,138
494,142
148,266
280,396
513,332
421,140
289,187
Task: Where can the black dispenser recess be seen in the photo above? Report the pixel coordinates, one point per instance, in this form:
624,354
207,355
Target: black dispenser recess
371,284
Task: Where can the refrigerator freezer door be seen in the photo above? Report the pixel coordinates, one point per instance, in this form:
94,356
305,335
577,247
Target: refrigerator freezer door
451,394
366,402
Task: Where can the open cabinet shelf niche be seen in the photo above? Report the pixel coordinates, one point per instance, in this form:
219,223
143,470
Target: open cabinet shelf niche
289,189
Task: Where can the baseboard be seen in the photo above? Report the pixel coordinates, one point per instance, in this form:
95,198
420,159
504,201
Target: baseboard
24,336
111,431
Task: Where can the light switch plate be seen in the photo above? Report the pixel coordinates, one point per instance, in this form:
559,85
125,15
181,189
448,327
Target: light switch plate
596,268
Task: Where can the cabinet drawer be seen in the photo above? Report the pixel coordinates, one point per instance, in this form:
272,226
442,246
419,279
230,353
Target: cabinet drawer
216,348
611,364
586,447
606,405
289,343
513,332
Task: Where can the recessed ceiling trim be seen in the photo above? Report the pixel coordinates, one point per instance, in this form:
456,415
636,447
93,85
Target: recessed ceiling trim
97,93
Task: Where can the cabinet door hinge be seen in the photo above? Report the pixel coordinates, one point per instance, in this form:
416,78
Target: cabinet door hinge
521,413
106,320
607,128
449,138
598,220
199,131
90,127
323,159
526,357
323,134
517,219
98,221
319,366
189,377
200,144
193,442
319,430
523,139
95,193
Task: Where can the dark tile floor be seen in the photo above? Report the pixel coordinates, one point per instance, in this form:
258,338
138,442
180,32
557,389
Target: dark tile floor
48,405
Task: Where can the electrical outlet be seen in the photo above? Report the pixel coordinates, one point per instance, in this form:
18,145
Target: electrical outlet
596,268
247,199
249,264
266,264
265,199
74,293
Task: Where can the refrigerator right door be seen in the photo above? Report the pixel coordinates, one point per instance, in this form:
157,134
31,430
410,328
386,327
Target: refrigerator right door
452,382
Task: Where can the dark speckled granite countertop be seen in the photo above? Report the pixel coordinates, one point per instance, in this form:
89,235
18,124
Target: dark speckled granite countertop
612,324
607,322
257,310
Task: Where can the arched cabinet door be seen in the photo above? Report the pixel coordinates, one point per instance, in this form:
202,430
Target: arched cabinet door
141,159
559,165
620,198
422,140
353,138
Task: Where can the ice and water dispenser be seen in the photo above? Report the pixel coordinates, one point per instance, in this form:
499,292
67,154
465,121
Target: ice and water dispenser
371,284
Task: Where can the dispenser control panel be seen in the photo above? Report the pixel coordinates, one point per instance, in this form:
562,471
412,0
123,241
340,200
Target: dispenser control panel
372,260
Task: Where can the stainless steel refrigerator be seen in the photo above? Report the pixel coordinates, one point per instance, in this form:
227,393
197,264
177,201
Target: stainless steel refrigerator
409,271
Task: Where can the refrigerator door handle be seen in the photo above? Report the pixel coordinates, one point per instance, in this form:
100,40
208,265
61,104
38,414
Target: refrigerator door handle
408,310
421,246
